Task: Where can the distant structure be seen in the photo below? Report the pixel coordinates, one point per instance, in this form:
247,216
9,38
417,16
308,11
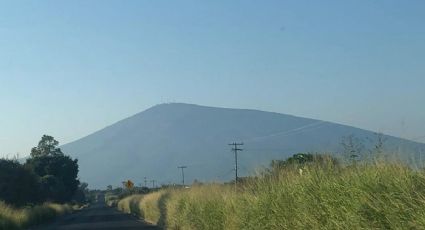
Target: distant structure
182,168
236,149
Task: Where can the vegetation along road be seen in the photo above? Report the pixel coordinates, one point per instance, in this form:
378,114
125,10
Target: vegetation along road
99,216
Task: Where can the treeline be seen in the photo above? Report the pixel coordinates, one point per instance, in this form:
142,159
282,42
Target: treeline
48,175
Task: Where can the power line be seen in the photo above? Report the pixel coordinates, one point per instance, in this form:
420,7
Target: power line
310,126
236,149
182,168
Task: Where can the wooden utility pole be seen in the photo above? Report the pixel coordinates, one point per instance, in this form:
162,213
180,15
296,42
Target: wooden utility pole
182,168
235,149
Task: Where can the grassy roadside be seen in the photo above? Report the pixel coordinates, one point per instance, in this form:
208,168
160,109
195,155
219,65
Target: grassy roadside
378,196
145,206
14,218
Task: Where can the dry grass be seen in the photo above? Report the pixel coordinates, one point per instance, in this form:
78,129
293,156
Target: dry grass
150,207
13,218
378,196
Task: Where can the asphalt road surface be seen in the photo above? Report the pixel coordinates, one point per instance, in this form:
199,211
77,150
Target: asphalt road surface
98,216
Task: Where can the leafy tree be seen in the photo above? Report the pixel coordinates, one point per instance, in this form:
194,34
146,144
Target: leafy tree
58,176
82,193
53,189
47,146
300,160
18,185
58,172
296,159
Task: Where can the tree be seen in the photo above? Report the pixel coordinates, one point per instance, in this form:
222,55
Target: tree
300,160
47,146
58,176
18,185
82,193
296,159
58,172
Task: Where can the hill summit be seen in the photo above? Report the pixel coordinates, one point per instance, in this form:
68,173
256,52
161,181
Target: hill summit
155,142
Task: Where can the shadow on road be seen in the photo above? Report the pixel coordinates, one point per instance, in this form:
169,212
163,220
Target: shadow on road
99,216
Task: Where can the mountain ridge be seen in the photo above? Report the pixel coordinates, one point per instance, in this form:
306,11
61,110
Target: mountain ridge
168,135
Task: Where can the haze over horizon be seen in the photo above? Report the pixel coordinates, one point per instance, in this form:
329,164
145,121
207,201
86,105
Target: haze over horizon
69,69
153,143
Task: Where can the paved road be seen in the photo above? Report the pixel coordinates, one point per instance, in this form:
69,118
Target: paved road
98,216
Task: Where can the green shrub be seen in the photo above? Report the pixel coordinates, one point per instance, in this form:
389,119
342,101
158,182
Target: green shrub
18,185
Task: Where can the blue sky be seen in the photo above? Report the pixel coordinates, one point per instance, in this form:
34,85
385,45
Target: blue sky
70,68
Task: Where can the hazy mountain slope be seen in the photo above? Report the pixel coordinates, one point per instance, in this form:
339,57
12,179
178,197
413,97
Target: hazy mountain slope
154,142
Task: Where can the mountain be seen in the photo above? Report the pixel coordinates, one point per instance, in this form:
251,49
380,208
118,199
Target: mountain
154,142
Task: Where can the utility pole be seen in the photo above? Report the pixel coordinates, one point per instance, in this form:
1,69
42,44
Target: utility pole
182,168
146,183
153,183
235,149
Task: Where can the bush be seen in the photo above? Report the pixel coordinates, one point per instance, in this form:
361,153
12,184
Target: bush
58,175
13,218
18,185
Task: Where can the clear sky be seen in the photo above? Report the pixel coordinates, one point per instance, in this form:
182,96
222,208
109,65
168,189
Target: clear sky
69,68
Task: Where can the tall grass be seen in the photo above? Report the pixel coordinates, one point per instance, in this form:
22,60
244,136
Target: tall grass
14,218
363,196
